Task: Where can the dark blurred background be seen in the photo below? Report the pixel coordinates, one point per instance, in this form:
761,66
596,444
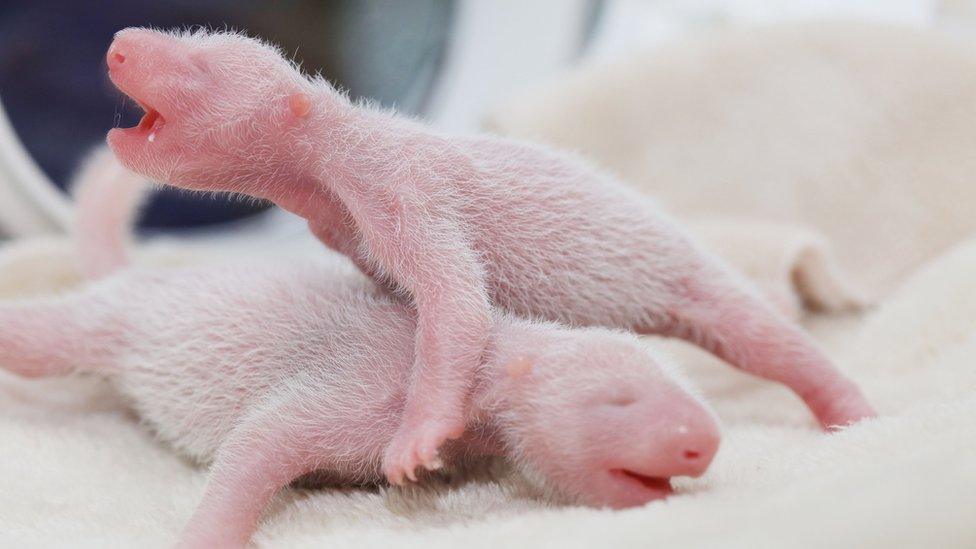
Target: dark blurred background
54,87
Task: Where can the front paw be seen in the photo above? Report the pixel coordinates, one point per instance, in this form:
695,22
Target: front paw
416,444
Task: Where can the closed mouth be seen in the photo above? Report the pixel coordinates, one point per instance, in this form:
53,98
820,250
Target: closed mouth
660,485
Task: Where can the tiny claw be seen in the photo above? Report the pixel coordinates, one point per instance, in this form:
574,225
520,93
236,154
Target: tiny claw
416,450
430,458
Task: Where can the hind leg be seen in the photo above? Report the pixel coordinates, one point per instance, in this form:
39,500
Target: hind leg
54,337
720,315
265,453
244,478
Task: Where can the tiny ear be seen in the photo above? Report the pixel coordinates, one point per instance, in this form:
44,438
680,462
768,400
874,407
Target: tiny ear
519,367
300,104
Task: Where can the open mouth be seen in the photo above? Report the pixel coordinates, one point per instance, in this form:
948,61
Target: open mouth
151,121
125,74
146,132
657,484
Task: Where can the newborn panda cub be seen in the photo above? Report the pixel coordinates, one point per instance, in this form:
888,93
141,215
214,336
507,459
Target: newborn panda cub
274,370
457,223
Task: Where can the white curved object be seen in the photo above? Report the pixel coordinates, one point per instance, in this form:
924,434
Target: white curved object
29,201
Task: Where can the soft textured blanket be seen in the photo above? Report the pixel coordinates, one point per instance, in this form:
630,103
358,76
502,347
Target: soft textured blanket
77,469
863,133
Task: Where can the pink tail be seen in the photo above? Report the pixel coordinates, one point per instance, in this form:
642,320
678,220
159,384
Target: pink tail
107,202
56,336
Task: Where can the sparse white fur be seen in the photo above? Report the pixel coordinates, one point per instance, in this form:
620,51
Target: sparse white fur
457,224
305,367
272,371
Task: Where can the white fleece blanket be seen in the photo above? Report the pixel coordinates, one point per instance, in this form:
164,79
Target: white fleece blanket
864,133
76,469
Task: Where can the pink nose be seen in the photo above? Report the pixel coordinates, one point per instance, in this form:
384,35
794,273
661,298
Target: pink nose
116,56
690,450
127,45
685,448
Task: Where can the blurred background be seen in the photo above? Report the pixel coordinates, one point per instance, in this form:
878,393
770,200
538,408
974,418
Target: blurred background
447,61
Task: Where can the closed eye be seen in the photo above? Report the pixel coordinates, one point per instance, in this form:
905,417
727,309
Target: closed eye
616,397
622,400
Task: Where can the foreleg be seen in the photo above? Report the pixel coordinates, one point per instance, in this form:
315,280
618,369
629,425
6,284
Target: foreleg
421,248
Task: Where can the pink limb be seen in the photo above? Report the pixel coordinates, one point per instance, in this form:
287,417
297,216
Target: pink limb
255,462
428,256
749,334
53,338
108,199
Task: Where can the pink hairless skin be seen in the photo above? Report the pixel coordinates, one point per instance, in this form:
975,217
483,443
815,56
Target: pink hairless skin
455,222
274,370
